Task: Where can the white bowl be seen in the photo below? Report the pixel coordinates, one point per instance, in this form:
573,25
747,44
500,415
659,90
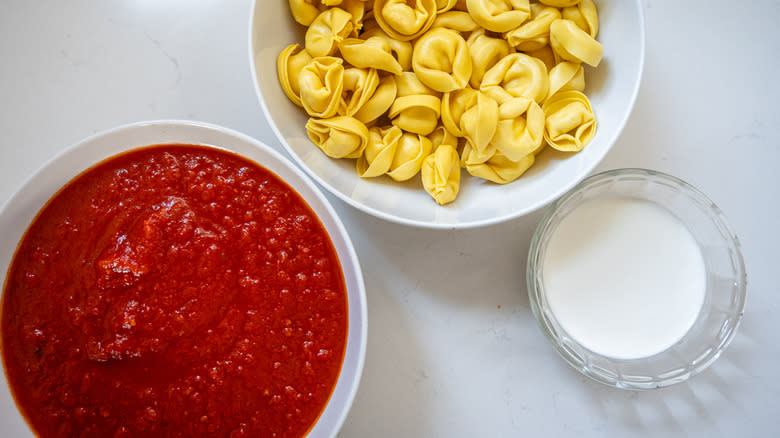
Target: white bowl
19,211
612,89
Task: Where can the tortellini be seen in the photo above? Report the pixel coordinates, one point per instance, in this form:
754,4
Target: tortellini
359,87
517,75
380,151
520,129
456,20
327,31
500,169
499,15
559,3
409,155
380,102
408,87
416,108
441,60
405,20
338,137
321,83
567,76
304,11
375,52
574,44
443,6
485,53
534,34
585,15
570,123
441,136
288,66
441,174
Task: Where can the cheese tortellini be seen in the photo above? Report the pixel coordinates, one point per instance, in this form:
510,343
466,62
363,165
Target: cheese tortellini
441,174
430,87
338,137
416,108
517,75
321,83
499,15
441,60
485,53
327,31
534,34
405,20
570,123
574,44
289,65
380,151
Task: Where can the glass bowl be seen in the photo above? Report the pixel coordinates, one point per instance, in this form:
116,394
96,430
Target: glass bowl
724,298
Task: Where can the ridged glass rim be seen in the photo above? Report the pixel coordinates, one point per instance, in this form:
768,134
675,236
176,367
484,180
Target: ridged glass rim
549,328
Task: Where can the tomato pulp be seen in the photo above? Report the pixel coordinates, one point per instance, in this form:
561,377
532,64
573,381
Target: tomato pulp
174,290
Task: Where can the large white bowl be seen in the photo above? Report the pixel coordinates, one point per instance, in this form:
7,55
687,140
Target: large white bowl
19,211
612,89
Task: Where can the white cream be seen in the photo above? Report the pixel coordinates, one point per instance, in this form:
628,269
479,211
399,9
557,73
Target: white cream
624,277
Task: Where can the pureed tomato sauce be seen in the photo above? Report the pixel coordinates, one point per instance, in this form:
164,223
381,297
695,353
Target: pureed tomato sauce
174,291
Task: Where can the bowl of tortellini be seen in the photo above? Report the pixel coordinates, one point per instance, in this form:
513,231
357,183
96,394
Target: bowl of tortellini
447,113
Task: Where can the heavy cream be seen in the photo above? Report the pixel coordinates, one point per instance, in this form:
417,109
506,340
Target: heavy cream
624,277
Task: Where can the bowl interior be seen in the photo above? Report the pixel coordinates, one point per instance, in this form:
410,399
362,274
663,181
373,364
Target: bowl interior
724,297
612,89
20,210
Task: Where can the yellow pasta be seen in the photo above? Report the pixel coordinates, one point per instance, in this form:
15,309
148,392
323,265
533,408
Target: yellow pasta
379,152
441,174
338,137
574,44
359,87
380,102
485,52
441,60
499,15
443,6
534,34
304,11
375,52
559,3
479,122
409,155
441,136
321,82
517,75
357,9
567,76
500,169
570,123
416,108
327,31
288,67
405,19
401,50
428,87
585,15
520,129
456,20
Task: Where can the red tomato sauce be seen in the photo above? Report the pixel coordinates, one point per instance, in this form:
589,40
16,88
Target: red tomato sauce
174,291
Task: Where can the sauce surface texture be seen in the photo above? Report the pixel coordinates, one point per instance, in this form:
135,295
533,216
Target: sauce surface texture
174,291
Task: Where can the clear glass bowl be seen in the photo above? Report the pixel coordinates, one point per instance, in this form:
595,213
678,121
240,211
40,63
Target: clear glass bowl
724,296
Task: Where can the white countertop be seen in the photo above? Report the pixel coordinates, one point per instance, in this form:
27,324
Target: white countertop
453,348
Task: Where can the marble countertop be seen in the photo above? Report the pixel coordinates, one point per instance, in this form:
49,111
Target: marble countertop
453,348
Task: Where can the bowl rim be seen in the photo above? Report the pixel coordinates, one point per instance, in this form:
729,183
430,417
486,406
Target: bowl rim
338,230
582,174
535,249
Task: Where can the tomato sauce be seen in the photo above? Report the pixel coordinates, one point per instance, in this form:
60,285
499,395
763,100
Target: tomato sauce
174,291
